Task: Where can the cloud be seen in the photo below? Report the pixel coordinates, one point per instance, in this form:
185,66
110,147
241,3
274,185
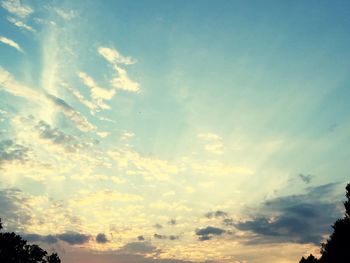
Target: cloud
49,239
14,211
151,168
157,226
219,168
113,56
172,222
20,24
306,178
212,142
73,238
208,232
172,237
12,86
141,238
11,43
82,123
65,14
123,82
158,236
139,248
98,94
101,238
216,214
15,7
12,152
298,218
100,196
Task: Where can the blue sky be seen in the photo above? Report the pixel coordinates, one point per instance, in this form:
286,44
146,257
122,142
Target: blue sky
174,131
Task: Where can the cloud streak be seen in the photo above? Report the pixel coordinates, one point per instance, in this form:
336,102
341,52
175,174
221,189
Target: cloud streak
11,43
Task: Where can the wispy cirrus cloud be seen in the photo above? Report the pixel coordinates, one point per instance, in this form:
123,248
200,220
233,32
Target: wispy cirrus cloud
121,80
113,56
98,94
11,43
212,142
15,7
20,24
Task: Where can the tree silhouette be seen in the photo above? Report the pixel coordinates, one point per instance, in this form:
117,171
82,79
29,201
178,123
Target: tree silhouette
337,247
14,249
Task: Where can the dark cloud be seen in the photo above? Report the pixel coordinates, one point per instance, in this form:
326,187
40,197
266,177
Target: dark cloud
157,226
10,151
13,209
117,256
101,238
300,218
172,222
306,178
172,237
73,238
140,238
49,239
139,248
228,221
158,236
208,232
82,123
216,214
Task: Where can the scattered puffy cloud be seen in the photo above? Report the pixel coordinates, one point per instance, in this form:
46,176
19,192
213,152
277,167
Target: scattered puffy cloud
151,168
208,232
15,7
74,238
159,236
101,196
216,214
123,82
113,56
98,94
10,43
11,151
101,238
20,24
212,142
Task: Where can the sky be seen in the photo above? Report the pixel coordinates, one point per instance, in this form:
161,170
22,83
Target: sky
174,131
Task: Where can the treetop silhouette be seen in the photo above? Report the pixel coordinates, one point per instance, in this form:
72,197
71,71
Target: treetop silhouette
14,249
337,247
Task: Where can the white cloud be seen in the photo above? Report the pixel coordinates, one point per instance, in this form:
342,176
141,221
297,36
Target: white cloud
15,7
20,24
212,142
11,43
123,82
65,14
98,94
12,86
151,168
114,57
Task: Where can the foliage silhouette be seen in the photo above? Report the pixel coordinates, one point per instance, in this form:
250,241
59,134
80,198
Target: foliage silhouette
337,247
14,249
